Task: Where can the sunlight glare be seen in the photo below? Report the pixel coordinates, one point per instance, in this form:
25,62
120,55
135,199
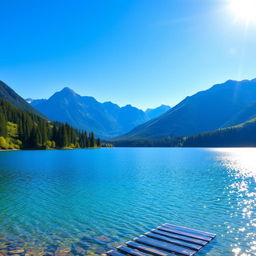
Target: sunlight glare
241,160
244,10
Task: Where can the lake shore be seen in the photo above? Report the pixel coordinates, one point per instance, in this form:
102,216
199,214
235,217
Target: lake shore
5,150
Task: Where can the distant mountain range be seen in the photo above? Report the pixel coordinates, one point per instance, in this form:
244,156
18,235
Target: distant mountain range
106,120
224,115
155,112
221,106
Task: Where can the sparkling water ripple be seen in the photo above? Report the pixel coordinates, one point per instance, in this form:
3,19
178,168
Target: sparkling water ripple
78,202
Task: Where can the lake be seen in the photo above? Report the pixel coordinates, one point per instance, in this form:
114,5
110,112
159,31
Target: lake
91,200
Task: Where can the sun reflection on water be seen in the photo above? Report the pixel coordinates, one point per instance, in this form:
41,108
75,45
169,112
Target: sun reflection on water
241,160
241,163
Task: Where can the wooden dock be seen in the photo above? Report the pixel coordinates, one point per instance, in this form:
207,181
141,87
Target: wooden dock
165,240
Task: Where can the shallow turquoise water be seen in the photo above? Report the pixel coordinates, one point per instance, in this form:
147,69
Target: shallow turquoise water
103,197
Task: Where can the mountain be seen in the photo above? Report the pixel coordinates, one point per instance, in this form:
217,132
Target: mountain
35,102
106,119
84,112
204,111
155,112
6,93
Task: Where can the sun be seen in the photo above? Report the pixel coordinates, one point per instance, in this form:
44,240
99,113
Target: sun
244,10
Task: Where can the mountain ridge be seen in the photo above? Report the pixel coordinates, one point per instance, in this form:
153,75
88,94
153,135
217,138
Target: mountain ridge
106,119
204,111
8,94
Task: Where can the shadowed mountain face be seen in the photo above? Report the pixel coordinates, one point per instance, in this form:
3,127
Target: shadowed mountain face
208,110
242,135
13,98
106,119
243,116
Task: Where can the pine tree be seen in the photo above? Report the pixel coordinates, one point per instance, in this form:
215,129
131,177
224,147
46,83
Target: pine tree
98,142
62,136
91,140
34,138
3,129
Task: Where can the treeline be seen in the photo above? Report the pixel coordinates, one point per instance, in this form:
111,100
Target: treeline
165,142
243,135
25,130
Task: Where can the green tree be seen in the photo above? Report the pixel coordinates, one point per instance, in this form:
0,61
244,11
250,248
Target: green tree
98,142
91,140
3,129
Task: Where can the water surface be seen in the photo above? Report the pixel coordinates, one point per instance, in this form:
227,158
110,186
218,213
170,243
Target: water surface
92,200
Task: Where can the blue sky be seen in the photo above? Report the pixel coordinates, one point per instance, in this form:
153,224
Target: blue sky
139,52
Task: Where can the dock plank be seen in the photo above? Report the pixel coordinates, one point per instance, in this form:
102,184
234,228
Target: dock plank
130,251
174,241
178,232
165,246
147,249
204,233
115,253
165,240
183,238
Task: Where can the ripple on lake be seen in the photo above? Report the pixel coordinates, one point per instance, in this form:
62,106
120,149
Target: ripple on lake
93,200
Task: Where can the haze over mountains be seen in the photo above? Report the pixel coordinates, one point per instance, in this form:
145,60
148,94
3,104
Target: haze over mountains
106,120
220,106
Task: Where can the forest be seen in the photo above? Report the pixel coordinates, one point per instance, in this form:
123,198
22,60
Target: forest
21,129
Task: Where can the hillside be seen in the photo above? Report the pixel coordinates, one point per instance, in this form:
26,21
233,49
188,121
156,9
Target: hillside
13,98
204,111
242,135
244,115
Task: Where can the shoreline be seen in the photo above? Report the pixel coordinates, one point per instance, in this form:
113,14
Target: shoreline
11,150
29,149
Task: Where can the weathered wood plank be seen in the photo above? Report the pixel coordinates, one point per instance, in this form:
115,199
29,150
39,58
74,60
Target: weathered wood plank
178,232
183,238
165,240
204,233
147,249
115,253
130,251
165,246
174,241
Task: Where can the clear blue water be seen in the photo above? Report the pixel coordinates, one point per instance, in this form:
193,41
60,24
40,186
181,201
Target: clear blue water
93,200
